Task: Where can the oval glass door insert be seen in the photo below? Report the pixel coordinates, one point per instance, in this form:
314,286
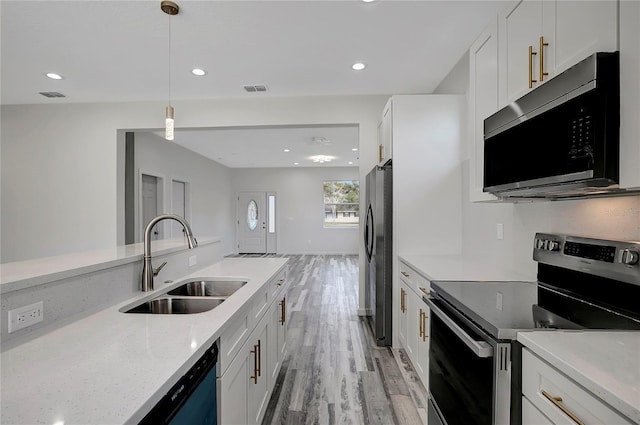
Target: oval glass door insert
252,215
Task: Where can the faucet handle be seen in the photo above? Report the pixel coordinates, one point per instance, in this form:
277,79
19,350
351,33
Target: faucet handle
156,271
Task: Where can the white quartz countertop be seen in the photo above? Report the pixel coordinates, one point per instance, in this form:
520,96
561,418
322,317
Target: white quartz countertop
607,363
461,268
112,367
24,274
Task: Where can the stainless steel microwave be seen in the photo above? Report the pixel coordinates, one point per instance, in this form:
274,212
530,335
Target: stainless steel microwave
561,139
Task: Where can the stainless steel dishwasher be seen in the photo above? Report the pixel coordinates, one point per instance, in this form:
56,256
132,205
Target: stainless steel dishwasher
192,400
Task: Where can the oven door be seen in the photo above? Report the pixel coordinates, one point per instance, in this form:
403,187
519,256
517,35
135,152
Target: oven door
461,370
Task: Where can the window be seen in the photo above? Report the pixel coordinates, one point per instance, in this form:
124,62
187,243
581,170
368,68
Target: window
341,203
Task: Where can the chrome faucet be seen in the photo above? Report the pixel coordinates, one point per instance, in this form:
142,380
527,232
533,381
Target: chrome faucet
148,272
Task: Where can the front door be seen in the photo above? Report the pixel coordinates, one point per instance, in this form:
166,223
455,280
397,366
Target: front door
252,223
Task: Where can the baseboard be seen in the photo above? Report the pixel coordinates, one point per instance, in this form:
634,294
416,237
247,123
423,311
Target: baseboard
364,312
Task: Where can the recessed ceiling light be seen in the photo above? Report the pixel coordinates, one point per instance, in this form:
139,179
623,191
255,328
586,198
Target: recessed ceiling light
199,72
287,150
296,163
350,162
358,66
54,76
354,149
368,1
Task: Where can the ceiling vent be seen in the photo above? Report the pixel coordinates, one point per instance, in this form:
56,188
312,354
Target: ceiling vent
51,94
255,88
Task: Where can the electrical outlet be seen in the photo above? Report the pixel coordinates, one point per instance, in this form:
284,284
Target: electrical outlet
25,316
500,231
193,260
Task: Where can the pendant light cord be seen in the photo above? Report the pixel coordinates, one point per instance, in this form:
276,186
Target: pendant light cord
169,60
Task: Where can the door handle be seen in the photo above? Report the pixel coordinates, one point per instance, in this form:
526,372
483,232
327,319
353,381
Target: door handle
259,359
420,325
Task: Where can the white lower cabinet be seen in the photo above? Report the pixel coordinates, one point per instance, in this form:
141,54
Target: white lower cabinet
249,374
551,397
277,336
414,320
244,388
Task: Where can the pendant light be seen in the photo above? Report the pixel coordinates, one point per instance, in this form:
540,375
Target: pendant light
171,9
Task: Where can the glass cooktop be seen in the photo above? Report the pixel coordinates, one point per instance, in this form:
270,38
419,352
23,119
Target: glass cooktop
500,308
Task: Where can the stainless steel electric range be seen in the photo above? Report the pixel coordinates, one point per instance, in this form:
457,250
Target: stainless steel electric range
474,358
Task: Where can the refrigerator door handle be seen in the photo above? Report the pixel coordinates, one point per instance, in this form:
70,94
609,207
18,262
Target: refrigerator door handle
369,231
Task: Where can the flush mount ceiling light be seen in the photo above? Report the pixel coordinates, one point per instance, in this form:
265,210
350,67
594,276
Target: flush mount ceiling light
354,149
321,159
171,9
199,72
287,150
54,76
358,66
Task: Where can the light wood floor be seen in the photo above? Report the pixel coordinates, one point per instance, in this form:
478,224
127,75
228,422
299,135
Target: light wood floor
333,373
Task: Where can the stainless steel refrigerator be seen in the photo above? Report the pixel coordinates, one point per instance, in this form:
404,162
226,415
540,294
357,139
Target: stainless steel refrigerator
378,245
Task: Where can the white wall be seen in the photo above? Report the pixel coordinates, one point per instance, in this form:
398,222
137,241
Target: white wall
212,207
61,186
300,208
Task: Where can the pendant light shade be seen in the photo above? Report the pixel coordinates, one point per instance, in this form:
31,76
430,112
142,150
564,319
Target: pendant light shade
171,9
168,126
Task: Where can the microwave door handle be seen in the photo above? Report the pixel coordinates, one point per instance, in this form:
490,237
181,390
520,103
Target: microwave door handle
481,349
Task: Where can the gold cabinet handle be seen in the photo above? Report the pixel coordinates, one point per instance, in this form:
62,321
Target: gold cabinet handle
280,282
405,274
531,55
424,325
255,364
283,310
259,359
403,300
421,324
557,401
380,152
542,46
424,291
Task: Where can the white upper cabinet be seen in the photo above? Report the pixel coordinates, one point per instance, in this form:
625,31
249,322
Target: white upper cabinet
483,102
629,94
540,39
520,29
576,29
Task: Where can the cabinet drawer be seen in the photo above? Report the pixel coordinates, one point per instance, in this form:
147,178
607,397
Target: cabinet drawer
277,283
564,397
233,338
413,279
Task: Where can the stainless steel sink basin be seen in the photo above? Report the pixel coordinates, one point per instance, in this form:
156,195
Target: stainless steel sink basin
169,305
208,288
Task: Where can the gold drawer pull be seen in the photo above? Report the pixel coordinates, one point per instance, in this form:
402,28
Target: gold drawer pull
280,282
424,290
405,274
557,401
420,325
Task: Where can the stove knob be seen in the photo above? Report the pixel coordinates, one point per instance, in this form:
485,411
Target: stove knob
629,257
539,243
554,246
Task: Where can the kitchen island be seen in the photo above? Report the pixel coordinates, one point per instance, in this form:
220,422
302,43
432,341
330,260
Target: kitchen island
113,367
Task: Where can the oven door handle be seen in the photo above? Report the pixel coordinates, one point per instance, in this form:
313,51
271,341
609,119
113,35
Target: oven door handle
480,348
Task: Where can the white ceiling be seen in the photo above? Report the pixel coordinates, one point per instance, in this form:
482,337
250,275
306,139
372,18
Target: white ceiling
115,51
